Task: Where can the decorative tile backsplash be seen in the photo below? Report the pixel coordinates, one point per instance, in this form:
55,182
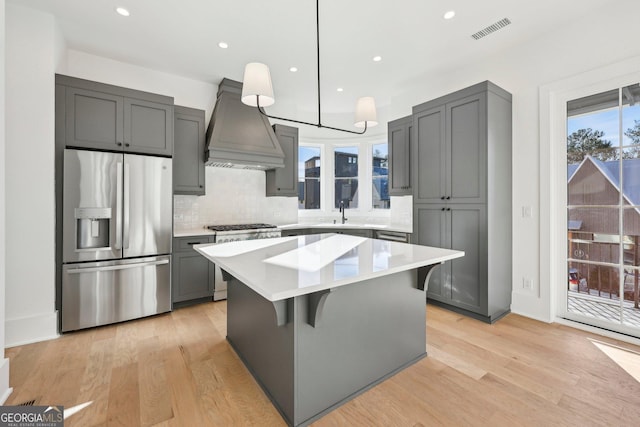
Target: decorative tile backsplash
237,196
233,196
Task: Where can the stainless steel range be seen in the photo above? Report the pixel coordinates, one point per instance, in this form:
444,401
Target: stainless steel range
237,232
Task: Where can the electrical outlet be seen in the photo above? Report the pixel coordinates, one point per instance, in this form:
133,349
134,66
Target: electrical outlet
526,212
527,284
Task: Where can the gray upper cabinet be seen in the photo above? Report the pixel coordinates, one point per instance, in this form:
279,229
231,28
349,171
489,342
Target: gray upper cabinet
94,119
284,181
399,138
105,117
189,151
451,150
148,127
462,196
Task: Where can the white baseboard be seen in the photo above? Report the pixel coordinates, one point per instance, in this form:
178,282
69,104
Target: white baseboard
32,329
5,390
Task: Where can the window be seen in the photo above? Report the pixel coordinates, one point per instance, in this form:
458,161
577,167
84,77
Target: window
309,194
346,176
603,207
380,176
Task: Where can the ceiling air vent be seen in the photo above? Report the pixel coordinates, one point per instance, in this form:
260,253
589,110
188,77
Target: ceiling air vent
491,29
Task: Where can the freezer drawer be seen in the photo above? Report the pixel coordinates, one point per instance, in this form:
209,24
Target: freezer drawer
99,293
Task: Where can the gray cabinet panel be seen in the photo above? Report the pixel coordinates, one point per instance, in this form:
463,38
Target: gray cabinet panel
399,139
189,151
148,127
93,119
466,149
468,274
284,181
462,154
431,228
193,274
429,156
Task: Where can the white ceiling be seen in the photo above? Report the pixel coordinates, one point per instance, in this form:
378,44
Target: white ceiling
181,37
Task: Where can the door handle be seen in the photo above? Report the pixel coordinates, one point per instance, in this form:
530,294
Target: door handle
126,205
117,267
118,244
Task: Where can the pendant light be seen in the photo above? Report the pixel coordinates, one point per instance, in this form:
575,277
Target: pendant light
257,91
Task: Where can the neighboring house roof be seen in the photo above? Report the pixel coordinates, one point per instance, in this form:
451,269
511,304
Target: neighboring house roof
611,171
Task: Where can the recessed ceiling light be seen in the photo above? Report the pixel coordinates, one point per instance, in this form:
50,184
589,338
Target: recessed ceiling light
377,58
293,69
339,89
223,45
122,11
450,14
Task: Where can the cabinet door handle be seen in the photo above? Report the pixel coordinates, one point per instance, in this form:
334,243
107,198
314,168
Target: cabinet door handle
127,144
119,144
448,209
193,243
448,197
201,186
443,209
442,198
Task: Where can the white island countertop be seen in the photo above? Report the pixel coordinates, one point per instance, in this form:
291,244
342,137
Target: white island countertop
287,267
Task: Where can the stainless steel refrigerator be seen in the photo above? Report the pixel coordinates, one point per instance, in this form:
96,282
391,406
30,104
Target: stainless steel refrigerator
116,245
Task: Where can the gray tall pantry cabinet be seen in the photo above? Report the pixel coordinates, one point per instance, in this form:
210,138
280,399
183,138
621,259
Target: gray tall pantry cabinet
461,179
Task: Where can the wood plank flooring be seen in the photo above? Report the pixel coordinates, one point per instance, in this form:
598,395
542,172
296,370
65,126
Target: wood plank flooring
178,370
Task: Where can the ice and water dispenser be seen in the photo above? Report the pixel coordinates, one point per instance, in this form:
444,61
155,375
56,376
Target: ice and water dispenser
92,228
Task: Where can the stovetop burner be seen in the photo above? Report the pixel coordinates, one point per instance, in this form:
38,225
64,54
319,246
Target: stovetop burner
234,227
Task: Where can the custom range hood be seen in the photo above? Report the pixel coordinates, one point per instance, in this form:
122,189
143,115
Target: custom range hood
238,135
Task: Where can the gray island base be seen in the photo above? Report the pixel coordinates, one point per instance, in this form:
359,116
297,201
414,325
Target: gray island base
319,319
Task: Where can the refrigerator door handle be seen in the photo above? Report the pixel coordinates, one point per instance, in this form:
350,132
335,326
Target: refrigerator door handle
116,267
118,205
127,193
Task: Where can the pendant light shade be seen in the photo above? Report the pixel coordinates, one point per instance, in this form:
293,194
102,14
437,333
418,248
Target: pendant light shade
257,83
366,112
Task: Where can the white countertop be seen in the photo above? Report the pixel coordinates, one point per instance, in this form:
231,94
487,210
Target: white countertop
365,226
286,267
323,225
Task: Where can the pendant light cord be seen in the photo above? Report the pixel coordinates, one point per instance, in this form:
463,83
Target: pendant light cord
318,56
319,124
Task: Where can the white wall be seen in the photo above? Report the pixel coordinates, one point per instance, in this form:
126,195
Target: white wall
30,215
4,363
603,38
186,92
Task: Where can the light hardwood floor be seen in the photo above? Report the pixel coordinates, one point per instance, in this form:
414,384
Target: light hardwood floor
178,370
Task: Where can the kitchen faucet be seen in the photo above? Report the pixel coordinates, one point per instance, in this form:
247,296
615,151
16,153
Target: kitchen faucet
342,208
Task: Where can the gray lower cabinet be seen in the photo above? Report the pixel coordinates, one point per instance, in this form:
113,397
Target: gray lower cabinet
284,181
193,275
462,154
399,138
189,151
461,227
105,117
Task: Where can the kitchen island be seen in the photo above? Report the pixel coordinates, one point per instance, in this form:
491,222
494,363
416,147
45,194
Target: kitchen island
318,319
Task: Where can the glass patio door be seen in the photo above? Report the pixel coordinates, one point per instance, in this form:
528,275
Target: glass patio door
603,209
